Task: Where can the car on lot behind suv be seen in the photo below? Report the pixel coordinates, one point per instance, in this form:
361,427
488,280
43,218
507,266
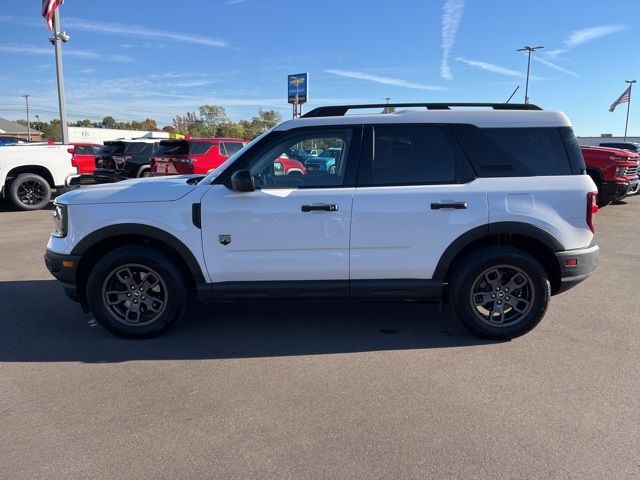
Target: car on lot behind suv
632,146
486,207
83,156
123,159
613,170
193,155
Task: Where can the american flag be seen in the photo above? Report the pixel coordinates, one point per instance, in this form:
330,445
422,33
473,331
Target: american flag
624,98
48,8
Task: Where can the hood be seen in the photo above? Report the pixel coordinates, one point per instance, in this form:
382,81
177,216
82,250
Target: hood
152,189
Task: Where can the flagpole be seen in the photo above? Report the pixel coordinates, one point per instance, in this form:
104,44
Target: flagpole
57,43
630,82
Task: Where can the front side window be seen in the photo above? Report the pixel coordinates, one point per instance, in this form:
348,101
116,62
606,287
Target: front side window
322,171
416,155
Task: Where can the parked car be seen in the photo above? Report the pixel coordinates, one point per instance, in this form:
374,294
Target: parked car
122,159
633,146
4,141
194,155
489,210
613,170
30,172
288,166
321,164
83,157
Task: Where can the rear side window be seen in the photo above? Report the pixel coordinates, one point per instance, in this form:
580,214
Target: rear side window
199,148
172,148
416,155
137,148
515,152
230,148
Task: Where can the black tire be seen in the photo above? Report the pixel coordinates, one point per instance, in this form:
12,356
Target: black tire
522,306
29,191
145,173
106,282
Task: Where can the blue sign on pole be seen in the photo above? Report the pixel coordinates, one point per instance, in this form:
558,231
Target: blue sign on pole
298,86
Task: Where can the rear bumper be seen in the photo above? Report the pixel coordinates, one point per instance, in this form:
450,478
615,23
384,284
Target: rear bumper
583,262
64,273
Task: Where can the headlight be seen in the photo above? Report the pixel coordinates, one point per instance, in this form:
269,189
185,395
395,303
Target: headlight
60,220
620,171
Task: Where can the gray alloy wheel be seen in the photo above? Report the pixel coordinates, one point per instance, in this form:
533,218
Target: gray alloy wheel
502,296
134,295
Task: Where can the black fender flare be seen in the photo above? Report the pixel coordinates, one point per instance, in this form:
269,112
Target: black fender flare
497,228
155,233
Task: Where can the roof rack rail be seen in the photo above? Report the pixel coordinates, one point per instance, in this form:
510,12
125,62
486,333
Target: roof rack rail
341,110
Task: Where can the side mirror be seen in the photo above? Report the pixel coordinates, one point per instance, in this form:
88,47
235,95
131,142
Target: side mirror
72,151
243,181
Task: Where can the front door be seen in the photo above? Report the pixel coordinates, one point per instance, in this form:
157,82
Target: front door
292,227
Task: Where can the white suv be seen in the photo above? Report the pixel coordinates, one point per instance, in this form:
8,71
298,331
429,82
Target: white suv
487,208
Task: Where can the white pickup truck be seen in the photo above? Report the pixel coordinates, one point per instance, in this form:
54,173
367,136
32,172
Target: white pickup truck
29,173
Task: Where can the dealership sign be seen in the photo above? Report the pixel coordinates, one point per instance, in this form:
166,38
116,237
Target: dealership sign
298,86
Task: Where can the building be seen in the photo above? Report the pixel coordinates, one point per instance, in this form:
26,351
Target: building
100,135
13,129
605,137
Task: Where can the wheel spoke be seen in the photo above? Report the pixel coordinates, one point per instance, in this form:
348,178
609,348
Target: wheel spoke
153,304
515,302
494,282
150,281
116,297
126,276
517,281
133,313
481,299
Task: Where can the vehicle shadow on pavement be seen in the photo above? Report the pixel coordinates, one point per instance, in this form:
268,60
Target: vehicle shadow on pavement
38,323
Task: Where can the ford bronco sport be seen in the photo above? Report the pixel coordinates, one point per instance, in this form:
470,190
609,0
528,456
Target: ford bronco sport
487,207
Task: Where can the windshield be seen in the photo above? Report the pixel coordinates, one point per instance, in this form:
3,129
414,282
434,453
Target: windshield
211,176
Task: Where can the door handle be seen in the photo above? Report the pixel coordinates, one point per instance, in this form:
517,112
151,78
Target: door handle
320,208
455,205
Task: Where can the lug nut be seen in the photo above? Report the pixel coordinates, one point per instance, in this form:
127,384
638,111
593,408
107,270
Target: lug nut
128,295
493,296
499,302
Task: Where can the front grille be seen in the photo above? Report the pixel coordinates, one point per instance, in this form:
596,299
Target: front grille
632,170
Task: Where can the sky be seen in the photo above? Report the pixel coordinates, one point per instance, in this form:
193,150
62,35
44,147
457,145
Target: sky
140,58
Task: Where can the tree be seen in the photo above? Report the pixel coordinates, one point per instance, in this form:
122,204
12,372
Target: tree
109,122
189,124
169,129
84,123
150,125
212,117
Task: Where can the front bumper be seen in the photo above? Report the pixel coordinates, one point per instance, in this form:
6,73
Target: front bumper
576,265
64,268
634,186
611,191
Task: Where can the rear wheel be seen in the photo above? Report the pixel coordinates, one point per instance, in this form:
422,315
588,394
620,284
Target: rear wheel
29,192
500,292
137,291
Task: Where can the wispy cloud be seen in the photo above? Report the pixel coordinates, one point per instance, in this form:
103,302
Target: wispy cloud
585,35
140,31
452,11
491,67
87,70
234,2
554,66
397,82
71,52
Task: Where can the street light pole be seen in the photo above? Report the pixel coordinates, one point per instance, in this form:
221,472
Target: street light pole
57,40
630,82
37,122
530,50
26,99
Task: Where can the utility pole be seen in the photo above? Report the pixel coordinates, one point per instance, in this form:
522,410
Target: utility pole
57,40
37,122
630,82
26,99
530,50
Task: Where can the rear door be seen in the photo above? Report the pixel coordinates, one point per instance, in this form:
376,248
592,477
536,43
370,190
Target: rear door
416,194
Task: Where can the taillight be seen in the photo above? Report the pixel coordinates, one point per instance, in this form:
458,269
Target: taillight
592,209
73,161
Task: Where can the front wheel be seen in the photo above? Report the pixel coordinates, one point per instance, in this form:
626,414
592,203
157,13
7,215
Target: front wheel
500,292
29,192
137,292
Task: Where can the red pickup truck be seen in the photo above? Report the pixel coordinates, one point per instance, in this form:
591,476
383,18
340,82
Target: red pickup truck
614,171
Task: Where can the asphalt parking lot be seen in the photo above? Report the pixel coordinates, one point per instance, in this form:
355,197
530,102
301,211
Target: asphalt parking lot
320,390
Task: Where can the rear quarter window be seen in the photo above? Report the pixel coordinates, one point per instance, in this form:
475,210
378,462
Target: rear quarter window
519,152
200,148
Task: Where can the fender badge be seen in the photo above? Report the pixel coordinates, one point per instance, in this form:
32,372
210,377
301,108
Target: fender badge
224,239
